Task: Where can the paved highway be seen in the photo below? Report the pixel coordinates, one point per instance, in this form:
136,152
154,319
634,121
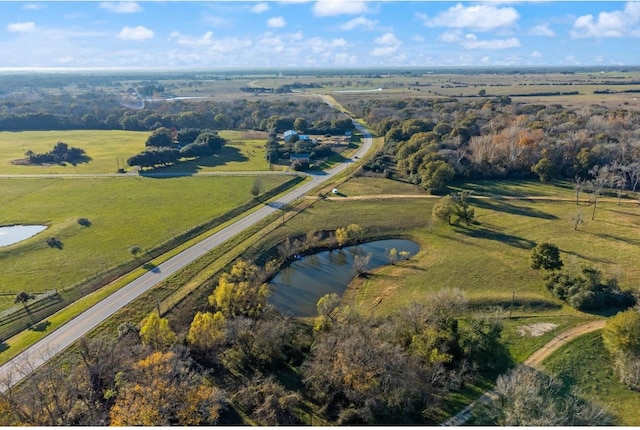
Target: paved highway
15,370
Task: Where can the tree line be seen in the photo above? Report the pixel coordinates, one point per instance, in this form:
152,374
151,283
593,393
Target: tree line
100,110
436,140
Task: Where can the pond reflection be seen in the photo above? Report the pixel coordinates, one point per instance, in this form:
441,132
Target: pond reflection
17,233
297,288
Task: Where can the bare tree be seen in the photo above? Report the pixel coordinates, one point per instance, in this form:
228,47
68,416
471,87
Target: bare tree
600,178
360,263
577,218
528,397
621,183
578,185
633,170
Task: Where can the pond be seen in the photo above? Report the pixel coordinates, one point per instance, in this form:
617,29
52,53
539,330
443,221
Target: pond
297,288
17,233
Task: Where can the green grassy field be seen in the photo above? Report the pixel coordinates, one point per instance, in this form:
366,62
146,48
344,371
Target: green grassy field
586,365
491,258
489,261
123,211
109,149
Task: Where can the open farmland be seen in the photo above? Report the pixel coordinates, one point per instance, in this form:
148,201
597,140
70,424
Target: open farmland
488,260
123,212
108,150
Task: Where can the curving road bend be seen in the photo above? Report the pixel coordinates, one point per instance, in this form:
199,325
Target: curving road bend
535,360
24,363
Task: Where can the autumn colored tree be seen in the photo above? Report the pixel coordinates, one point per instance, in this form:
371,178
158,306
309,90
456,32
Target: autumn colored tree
166,392
353,232
240,292
327,308
622,332
207,330
156,332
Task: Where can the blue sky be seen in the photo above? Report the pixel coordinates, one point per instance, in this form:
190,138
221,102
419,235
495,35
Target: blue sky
312,34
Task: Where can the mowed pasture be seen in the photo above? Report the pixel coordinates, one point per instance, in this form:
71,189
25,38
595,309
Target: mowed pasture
123,212
108,150
488,261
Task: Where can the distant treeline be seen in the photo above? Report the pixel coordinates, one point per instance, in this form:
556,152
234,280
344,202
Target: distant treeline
608,91
100,111
434,141
547,93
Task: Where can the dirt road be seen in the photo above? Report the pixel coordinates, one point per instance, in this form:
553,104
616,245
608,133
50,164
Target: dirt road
535,360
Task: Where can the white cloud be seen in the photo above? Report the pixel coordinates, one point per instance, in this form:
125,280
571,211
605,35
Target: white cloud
418,38
536,54
388,44
479,17
339,7
276,22
21,27
620,23
361,22
121,7
33,6
571,59
387,39
451,36
181,39
135,33
259,8
542,30
472,42
383,51
217,21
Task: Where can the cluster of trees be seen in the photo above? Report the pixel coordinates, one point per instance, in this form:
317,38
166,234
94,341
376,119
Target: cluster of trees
454,208
357,369
495,138
621,337
528,397
585,290
117,381
60,154
101,110
164,148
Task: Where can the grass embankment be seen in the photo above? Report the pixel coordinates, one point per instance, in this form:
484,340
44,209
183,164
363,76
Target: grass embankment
123,212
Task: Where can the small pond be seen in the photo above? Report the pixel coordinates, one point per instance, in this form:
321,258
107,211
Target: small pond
17,233
297,288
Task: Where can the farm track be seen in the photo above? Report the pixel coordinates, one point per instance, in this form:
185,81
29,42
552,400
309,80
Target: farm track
473,196
535,360
145,175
